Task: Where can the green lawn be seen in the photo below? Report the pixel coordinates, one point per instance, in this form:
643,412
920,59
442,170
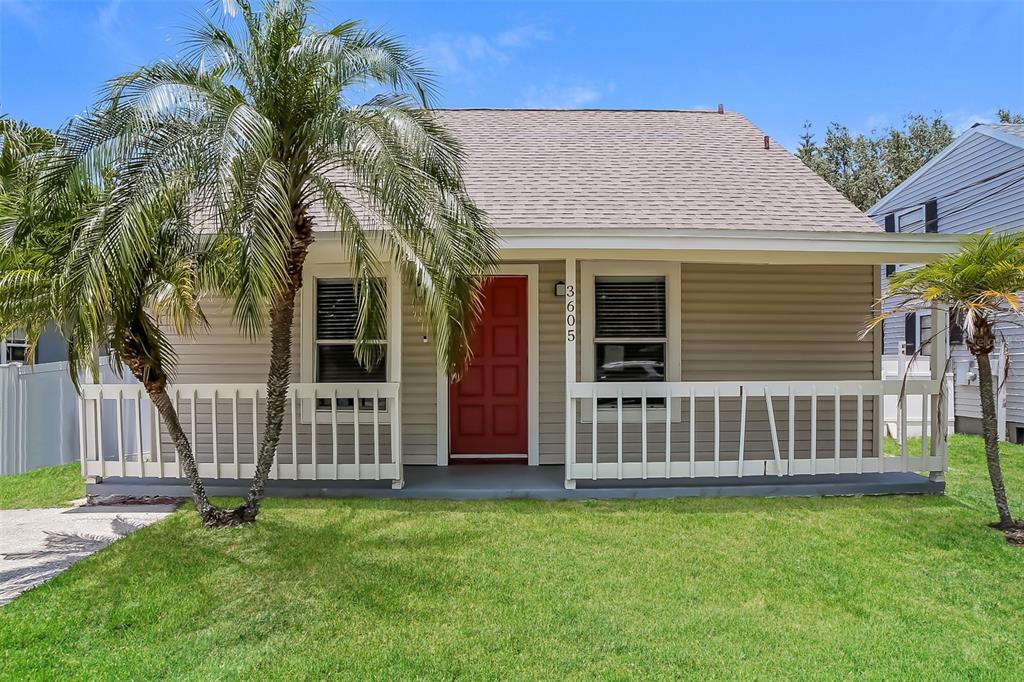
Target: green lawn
865,588
47,487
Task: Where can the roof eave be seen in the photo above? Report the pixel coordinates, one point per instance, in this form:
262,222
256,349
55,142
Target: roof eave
736,245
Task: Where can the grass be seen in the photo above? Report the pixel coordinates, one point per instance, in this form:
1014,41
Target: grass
866,588
47,487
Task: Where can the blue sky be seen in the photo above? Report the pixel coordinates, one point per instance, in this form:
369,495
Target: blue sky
864,64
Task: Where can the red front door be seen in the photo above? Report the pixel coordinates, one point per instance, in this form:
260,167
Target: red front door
488,407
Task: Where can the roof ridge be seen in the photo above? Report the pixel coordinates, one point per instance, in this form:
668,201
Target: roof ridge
585,109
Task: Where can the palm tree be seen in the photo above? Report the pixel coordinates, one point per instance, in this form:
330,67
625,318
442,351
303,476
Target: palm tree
63,261
980,285
257,123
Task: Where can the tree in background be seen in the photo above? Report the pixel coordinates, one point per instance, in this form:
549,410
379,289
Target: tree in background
1005,116
864,168
980,285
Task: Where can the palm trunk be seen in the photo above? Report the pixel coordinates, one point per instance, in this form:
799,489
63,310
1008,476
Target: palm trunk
980,347
279,377
211,515
155,383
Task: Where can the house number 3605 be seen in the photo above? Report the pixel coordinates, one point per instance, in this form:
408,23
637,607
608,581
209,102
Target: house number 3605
570,313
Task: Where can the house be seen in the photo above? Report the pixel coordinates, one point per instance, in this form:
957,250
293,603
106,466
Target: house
974,184
51,347
678,299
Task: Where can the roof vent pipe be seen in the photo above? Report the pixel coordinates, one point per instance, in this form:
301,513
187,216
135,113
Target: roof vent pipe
721,109
766,142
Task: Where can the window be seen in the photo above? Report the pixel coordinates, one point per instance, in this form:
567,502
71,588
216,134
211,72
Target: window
335,342
911,331
630,330
911,221
956,330
14,348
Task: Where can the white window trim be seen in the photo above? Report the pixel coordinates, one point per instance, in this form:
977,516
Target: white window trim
16,339
900,267
307,339
532,273
589,271
917,332
911,211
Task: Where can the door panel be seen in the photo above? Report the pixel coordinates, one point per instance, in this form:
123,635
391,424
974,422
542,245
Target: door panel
488,407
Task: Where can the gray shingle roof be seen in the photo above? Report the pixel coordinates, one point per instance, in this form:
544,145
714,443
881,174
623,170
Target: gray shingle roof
1015,129
652,169
561,169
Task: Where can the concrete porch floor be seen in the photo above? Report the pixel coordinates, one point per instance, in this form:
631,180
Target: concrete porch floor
508,481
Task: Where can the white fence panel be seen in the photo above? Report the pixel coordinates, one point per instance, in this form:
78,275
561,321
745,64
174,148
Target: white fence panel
39,424
896,367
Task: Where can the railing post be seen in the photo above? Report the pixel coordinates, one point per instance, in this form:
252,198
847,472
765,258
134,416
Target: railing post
570,370
396,440
940,401
1001,393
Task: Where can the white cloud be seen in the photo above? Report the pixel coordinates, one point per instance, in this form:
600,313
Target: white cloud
108,14
456,54
564,95
962,122
522,36
26,11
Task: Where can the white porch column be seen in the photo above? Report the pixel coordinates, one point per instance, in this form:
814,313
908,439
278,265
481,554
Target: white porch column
570,370
940,402
395,369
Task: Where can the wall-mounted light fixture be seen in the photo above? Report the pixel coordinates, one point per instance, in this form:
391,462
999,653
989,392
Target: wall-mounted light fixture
559,288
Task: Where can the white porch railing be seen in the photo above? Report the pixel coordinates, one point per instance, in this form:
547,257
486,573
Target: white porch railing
321,440
702,435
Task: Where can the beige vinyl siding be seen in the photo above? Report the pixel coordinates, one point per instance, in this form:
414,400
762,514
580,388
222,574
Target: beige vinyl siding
419,389
738,323
551,363
762,323
223,355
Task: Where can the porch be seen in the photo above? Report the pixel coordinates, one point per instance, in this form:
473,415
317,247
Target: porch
617,452
510,481
743,393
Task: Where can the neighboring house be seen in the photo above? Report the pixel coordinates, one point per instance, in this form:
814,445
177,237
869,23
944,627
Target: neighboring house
974,184
677,297
50,348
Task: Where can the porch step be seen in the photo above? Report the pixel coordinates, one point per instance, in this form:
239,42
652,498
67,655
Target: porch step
511,481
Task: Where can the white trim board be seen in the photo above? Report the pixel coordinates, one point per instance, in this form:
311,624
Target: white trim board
532,273
767,247
725,245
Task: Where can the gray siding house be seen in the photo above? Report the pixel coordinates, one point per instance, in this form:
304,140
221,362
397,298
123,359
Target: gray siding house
975,184
51,347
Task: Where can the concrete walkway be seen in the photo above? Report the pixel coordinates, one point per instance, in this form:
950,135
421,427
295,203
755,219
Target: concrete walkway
37,544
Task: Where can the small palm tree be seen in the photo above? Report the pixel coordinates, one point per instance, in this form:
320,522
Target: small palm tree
980,285
258,123
62,261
